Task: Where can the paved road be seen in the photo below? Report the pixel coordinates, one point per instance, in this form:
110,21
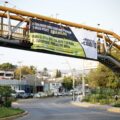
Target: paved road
61,109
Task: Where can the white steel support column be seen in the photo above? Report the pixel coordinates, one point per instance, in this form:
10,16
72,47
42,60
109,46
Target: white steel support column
113,41
9,25
112,44
1,26
104,41
18,25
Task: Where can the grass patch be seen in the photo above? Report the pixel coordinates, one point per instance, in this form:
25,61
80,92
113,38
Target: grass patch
6,112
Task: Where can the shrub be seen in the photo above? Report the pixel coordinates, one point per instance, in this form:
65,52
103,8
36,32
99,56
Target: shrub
117,105
8,103
104,101
91,98
86,99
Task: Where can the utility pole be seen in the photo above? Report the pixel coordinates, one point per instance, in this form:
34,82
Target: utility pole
20,77
35,80
73,86
73,80
83,80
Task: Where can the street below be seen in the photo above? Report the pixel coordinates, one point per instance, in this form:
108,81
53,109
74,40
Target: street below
60,108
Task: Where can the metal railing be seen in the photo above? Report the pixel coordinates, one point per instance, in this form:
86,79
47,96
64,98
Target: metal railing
20,33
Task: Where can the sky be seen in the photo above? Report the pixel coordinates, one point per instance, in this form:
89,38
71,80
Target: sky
88,12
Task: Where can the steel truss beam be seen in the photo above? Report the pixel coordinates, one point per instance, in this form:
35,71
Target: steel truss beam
25,14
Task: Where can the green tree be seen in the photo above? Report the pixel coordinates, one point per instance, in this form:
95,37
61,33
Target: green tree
33,69
7,66
105,83
78,80
58,73
67,83
5,92
103,77
25,70
115,52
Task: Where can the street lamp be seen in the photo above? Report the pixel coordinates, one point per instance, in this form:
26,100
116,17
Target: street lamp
98,24
35,80
20,77
73,79
5,3
83,79
57,14
90,67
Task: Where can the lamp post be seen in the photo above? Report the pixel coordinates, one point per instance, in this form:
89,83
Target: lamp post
20,77
73,79
89,67
35,80
83,79
5,3
98,24
57,14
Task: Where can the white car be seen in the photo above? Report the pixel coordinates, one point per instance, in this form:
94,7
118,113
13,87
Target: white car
40,94
37,95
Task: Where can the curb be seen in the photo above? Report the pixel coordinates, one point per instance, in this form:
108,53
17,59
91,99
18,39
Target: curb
88,105
81,104
113,109
15,116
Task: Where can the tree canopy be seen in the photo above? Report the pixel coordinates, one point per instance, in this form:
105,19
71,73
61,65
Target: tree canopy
7,66
67,83
103,77
25,70
58,73
5,90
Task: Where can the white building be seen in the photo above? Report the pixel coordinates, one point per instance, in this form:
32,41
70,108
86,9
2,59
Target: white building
6,75
52,86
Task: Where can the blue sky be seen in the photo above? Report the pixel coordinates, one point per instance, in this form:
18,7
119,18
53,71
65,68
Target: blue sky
89,12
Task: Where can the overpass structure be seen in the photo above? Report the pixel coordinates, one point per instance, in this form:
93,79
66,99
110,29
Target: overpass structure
13,34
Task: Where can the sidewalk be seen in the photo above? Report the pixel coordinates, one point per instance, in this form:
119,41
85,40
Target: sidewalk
98,106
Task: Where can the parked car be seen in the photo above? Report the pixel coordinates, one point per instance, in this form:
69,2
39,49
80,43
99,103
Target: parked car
57,94
65,93
43,94
40,94
30,95
21,94
14,95
36,95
